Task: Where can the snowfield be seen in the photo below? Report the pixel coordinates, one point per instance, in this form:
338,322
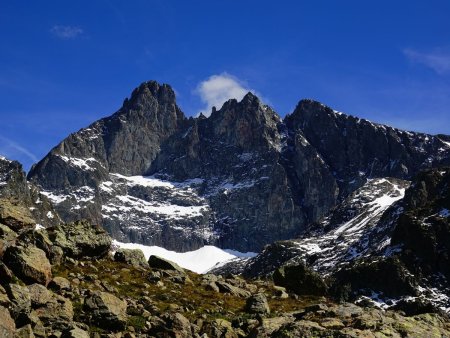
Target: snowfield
199,261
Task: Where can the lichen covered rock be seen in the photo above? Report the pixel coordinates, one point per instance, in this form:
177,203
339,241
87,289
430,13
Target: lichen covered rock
107,311
29,263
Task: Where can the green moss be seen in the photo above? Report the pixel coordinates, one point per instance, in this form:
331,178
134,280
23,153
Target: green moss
130,282
138,322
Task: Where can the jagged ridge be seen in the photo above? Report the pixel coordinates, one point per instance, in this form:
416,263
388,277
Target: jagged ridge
258,178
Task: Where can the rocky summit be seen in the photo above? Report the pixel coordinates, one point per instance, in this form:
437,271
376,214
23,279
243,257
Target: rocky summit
350,220
241,178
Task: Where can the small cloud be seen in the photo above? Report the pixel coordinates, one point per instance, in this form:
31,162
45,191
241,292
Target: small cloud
438,61
217,89
12,150
66,32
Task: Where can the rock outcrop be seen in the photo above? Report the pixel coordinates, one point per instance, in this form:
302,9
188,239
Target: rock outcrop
81,239
108,311
133,257
22,204
300,279
29,263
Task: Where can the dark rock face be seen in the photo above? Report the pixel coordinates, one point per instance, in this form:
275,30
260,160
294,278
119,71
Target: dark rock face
21,198
359,226
300,279
237,154
241,178
423,230
387,240
388,276
354,147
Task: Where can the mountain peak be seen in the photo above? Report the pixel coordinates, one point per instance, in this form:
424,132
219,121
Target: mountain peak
309,106
250,98
147,91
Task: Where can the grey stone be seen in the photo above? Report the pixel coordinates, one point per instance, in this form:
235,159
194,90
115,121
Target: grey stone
7,325
107,310
233,290
156,262
134,257
257,304
29,263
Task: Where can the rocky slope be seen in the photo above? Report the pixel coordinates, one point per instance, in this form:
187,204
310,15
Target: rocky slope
241,178
65,281
376,244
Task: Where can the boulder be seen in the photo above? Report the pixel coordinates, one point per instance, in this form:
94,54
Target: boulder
15,216
25,332
280,292
257,304
107,311
300,279
76,332
59,284
39,295
133,257
302,328
5,274
58,312
4,299
6,233
269,325
177,325
81,239
156,262
29,263
7,325
20,306
220,328
225,287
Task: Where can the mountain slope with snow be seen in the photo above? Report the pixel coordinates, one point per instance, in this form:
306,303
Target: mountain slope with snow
241,178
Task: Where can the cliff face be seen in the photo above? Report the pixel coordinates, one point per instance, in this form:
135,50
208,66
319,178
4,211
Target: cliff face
21,199
241,178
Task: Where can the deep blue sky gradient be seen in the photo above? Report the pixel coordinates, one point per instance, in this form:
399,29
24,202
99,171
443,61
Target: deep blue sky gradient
388,61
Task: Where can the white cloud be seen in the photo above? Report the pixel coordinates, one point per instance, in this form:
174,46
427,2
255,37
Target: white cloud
439,61
217,89
66,32
12,150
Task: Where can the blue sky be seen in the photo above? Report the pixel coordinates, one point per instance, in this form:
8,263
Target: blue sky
64,64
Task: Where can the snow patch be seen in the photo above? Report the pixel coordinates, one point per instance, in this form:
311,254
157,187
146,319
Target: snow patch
79,162
445,142
130,203
154,182
55,198
199,261
38,227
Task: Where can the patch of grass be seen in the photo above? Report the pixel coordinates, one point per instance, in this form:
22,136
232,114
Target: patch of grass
129,282
138,322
